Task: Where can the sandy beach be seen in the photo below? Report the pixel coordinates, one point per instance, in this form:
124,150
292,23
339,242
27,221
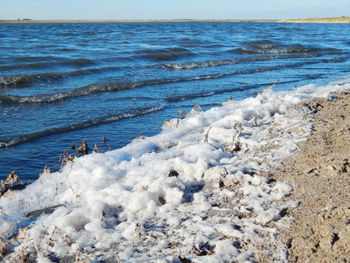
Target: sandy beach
320,174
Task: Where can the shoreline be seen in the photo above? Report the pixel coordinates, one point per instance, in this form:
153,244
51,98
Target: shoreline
182,207
331,20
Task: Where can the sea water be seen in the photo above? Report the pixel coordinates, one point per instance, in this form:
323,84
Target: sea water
63,82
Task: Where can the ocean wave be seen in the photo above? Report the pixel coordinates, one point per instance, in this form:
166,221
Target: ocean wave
65,49
33,59
79,126
204,94
80,62
118,86
271,48
163,54
272,51
97,88
166,56
221,91
204,64
15,80
155,51
335,60
49,63
224,62
289,29
22,80
39,65
260,44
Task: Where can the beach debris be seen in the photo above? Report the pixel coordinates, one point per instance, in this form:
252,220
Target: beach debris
236,145
12,178
314,106
84,148
73,147
140,137
206,136
174,123
3,248
171,124
204,249
346,166
104,139
269,88
166,124
182,114
161,200
96,148
45,170
237,127
173,173
51,242
271,181
313,170
10,182
195,110
65,158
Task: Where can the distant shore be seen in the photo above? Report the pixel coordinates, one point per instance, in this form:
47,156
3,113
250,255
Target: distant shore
303,20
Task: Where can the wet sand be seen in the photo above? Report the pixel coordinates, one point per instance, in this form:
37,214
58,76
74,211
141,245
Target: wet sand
320,175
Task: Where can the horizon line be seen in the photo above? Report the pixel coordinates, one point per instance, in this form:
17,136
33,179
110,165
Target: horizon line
341,19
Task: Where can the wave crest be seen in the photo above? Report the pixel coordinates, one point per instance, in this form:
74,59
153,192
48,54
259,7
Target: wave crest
83,125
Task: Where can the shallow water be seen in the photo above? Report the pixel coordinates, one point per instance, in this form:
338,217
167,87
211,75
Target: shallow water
61,83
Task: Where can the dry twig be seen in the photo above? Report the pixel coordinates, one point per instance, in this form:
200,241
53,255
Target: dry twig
207,135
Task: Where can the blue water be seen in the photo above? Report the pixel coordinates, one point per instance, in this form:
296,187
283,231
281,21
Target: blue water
61,83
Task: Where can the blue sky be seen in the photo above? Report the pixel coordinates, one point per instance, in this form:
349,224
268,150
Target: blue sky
172,9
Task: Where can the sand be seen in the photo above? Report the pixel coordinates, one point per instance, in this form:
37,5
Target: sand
320,175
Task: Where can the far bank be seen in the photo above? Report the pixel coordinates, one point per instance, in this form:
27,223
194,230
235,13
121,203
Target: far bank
337,20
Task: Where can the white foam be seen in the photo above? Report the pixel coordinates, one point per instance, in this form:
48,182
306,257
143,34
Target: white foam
125,202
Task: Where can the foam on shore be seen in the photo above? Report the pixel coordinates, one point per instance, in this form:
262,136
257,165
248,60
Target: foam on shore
191,192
